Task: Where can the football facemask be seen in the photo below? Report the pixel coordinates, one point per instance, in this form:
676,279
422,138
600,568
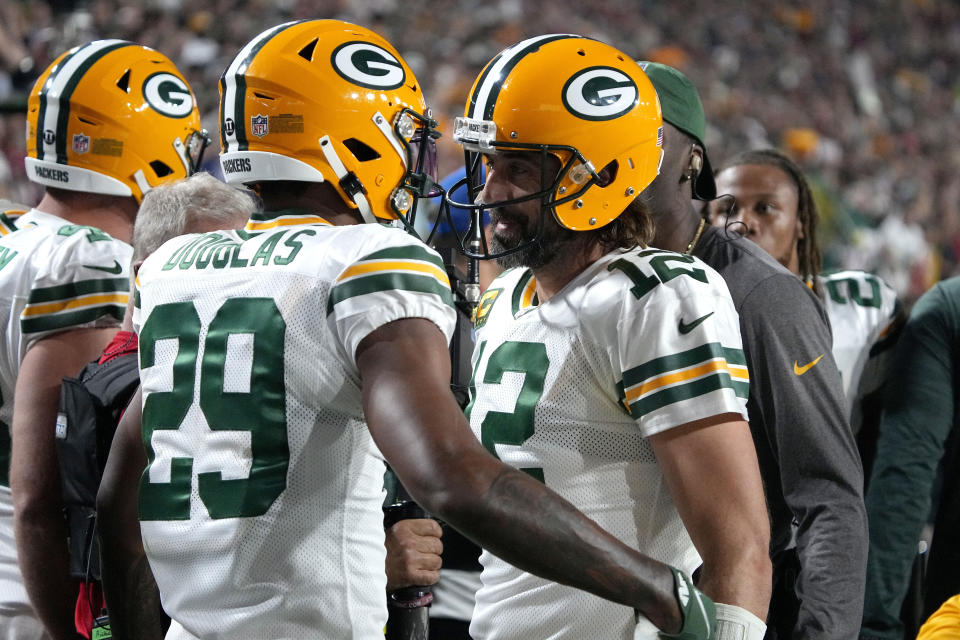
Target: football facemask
581,101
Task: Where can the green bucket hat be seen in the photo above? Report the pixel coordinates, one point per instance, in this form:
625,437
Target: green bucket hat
681,107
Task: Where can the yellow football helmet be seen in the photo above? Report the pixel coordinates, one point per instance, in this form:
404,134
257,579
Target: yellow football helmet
329,101
580,100
112,117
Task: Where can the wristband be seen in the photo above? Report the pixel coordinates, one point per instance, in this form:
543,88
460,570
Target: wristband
699,612
736,623
410,597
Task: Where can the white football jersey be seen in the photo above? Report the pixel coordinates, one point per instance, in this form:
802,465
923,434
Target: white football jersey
260,509
569,391
54,276
863,312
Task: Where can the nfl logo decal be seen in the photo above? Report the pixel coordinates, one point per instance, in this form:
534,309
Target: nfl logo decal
259,125
81,143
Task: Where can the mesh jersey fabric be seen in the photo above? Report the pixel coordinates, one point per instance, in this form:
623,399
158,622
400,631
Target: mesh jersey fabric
864,313
570,390
54,276
309,562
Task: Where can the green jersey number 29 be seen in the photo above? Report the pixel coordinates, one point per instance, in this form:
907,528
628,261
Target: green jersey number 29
259,409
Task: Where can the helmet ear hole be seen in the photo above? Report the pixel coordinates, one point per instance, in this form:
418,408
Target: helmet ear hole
608,174
160,168
360,150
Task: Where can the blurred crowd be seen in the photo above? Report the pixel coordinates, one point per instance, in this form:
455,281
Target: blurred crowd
862,94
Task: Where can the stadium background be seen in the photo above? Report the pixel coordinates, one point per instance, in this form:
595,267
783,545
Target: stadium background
863,94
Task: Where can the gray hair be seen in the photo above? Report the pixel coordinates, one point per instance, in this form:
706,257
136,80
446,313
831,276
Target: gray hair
200,202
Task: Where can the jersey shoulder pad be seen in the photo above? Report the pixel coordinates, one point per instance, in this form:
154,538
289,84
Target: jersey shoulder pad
382,259
650,274
512,290
9,213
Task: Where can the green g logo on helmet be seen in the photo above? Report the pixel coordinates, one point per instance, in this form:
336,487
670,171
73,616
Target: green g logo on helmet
168,94
600,93
368,65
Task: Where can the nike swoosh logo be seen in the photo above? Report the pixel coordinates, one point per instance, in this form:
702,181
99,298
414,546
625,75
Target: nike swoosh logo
687,328
115,269
797,369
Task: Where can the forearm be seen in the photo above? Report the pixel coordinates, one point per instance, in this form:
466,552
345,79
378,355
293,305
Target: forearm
710,467
34,475
423,434
129,587
39,526
133,599
521,521
740,576
44,563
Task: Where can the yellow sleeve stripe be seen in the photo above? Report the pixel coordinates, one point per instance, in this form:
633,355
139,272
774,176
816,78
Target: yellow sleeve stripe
653,384
253,225
33,310
381,266
739,372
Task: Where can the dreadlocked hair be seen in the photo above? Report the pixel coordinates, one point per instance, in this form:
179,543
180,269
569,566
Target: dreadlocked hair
808,249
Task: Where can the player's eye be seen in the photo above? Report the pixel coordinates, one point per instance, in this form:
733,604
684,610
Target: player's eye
767,207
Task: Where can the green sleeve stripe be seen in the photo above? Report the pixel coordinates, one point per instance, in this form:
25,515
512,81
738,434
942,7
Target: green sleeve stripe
388,282
735,356
680,393
659,366
742,389
410,252
77,289
136,298
70,319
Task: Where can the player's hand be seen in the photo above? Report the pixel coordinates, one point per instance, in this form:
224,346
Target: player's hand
413,553
699,612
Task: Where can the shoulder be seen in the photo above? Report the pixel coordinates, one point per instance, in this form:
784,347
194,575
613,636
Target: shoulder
637,290
940,304
743,264
508,293
10,212
62,252
857,285
648,276
69,239
377,260
378,240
